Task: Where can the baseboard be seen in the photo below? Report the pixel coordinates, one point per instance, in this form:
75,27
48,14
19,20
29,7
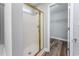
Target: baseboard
58,38
46,50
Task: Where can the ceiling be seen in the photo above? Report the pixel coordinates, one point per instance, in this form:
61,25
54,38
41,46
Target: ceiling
59,7
35,4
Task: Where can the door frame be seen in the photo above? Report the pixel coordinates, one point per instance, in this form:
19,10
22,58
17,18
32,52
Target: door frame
8,28
70,18
71,30
49,26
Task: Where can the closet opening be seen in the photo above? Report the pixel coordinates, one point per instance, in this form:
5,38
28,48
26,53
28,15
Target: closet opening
58,29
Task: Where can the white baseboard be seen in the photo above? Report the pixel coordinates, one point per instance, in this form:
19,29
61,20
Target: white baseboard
58,38
46,50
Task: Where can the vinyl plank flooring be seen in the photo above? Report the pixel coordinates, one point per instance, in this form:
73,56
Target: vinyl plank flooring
58,50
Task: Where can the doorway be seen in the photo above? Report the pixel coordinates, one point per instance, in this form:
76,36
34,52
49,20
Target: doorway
58,29
32,30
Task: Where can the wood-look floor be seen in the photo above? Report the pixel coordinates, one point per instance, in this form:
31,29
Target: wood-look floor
64,49
60,49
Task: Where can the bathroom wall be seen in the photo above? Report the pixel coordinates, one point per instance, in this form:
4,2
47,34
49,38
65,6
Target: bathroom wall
8,28
17,29
75,30
59,20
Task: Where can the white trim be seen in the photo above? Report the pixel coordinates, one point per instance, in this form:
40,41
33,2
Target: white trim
68,36
8,28
71,29
58,38
46,50
49,27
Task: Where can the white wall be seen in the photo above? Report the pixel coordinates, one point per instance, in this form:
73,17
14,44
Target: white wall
76,28
17,29
13,29
59,21
8,28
